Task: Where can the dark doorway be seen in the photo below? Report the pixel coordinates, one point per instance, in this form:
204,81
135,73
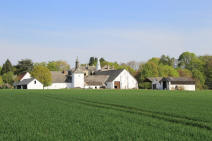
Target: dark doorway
24,86
154,86
117,84
164,85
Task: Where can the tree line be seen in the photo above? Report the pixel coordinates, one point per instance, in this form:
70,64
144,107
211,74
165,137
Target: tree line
186,65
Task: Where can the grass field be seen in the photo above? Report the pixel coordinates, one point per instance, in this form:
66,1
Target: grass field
105,115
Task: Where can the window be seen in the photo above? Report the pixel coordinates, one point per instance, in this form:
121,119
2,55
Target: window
34,82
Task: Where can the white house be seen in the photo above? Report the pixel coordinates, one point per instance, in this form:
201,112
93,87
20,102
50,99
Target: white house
180,83
29,83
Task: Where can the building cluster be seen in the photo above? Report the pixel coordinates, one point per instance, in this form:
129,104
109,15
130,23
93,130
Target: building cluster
88,77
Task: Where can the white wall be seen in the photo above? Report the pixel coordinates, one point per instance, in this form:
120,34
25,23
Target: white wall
127,81
78,80
59,86
33,85
184,87
158,85
26,76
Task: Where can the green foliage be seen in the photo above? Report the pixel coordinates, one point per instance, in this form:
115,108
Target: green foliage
132,115
167,71
40,64
166,60
208,73
190,61
7,67
91,61
150,69
1,81
25,65
42,74
145,85
184,72
199,78
8,78
0,69
58,66
154,60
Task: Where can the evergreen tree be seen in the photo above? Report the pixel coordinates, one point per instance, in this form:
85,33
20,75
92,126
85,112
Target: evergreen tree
23,66
7,67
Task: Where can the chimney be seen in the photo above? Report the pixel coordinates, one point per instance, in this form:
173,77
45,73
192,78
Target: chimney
98,65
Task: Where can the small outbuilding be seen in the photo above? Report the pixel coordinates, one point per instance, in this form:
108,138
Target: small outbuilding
179,83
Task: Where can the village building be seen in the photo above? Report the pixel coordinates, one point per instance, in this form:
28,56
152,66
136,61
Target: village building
171,83
25,81
180,83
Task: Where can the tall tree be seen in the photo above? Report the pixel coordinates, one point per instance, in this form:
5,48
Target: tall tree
25,65
190,61
199,78
208,73
7,67
91,61
166,60
42,74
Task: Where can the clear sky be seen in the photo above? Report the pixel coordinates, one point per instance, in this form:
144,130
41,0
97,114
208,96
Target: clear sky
118,30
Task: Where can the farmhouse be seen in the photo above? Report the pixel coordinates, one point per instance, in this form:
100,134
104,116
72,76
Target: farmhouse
88,77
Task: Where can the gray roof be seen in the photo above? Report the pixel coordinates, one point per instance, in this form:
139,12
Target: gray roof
24,82
59,77
154,78
96,80
179,80
111,73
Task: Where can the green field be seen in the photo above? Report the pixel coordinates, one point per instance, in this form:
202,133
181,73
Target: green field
105,115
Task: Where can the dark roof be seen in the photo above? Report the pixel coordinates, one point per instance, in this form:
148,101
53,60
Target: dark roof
19,77
111,73
24,82
59,77
179,80
96,80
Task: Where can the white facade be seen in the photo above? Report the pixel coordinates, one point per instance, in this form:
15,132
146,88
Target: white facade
92,87
126,80
59,86
157,85
78,80
182,87
35,84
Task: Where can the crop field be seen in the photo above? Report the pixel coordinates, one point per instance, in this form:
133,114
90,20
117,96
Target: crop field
125,115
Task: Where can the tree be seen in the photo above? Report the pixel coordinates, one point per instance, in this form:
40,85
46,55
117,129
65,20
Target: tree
184,72
167,71
0,69
58,66
91,61
208,73
199,78
42,74
8,77
166,60
190,61
1,81
40,64
150,69
25,65
7,67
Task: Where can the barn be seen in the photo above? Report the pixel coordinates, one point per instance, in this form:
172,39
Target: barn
179,83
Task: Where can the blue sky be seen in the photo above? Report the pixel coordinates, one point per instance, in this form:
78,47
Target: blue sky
118,30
